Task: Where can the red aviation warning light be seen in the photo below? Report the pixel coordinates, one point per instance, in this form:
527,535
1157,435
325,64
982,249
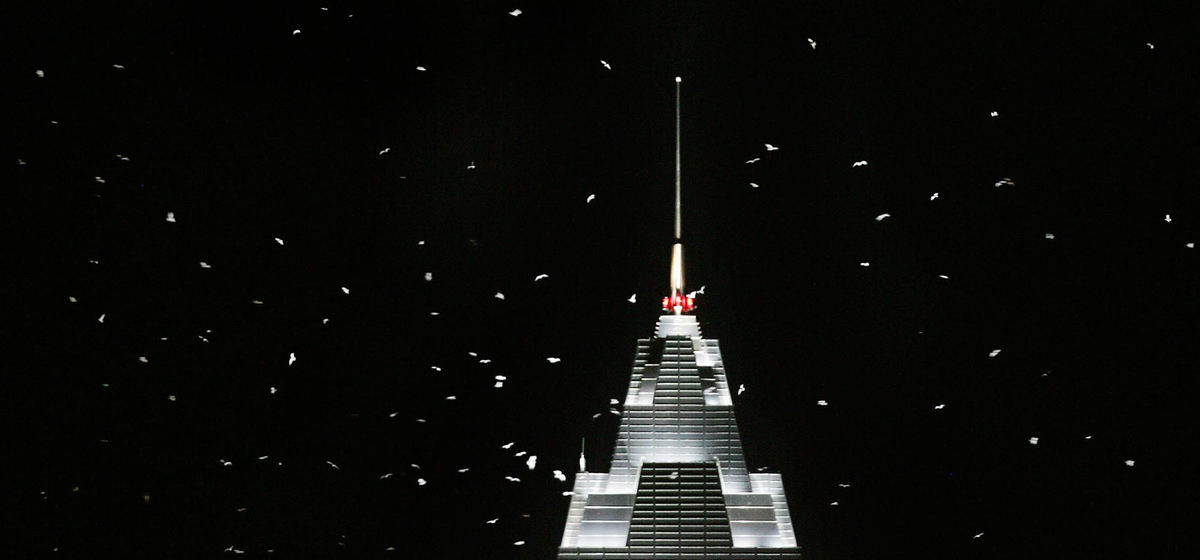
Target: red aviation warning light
684,303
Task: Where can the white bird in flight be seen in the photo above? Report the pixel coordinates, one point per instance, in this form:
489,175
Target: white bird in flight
279,241
753,160
632,298
540,277
553,360
881,217
591,197
295,32
345,290
812,43
939,407
755,185
934,196
771,148
492,521
864,264
531,462
384,151
995,114
560,476
291,358
741,388
859,163
171,217
822,403
420,68
606,65
994,353
499,295
515,12
40,73
1167,219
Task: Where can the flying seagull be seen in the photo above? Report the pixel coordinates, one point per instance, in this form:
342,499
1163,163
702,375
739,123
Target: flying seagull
606,65
540,277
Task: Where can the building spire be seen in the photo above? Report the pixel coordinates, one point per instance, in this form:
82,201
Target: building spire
678,229
677,302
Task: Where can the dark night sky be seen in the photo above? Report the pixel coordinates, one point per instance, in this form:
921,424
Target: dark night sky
248,132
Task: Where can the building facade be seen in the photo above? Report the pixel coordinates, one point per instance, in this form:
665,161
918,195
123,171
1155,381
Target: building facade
678,486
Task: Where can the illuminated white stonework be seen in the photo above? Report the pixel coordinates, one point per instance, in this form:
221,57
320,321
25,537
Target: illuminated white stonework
678,485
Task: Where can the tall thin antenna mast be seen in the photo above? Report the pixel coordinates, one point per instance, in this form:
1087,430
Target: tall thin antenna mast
678,228
677,303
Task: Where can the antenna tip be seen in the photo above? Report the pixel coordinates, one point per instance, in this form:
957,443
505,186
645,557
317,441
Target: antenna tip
678,79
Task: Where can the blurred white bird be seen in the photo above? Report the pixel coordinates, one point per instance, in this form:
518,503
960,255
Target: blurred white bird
492,521
553,360
330,463
994,353
1151,45
753,160
291,358
40,73
512,479
279,241
755,185
519,543
507,445
420,482
119,66
531,462
499,295
771,148
1049,236
420,68
812,43
384,151
1129,462
171,217
205,265
429,277
864,264
1033,441
995,114
943,277
822,403
859,163
741,388
540,277
345,290
881,217
632,298
515,12
295,32
1004,182
591,197
977,536
560,476
1168,218
101,319
939,407
934,196
606,65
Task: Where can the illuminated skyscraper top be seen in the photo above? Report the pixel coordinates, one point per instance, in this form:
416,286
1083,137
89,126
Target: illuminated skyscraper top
678,486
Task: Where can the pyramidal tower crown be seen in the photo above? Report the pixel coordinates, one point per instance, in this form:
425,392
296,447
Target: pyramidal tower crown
678,486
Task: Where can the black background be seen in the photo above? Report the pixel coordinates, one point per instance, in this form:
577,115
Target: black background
248,132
